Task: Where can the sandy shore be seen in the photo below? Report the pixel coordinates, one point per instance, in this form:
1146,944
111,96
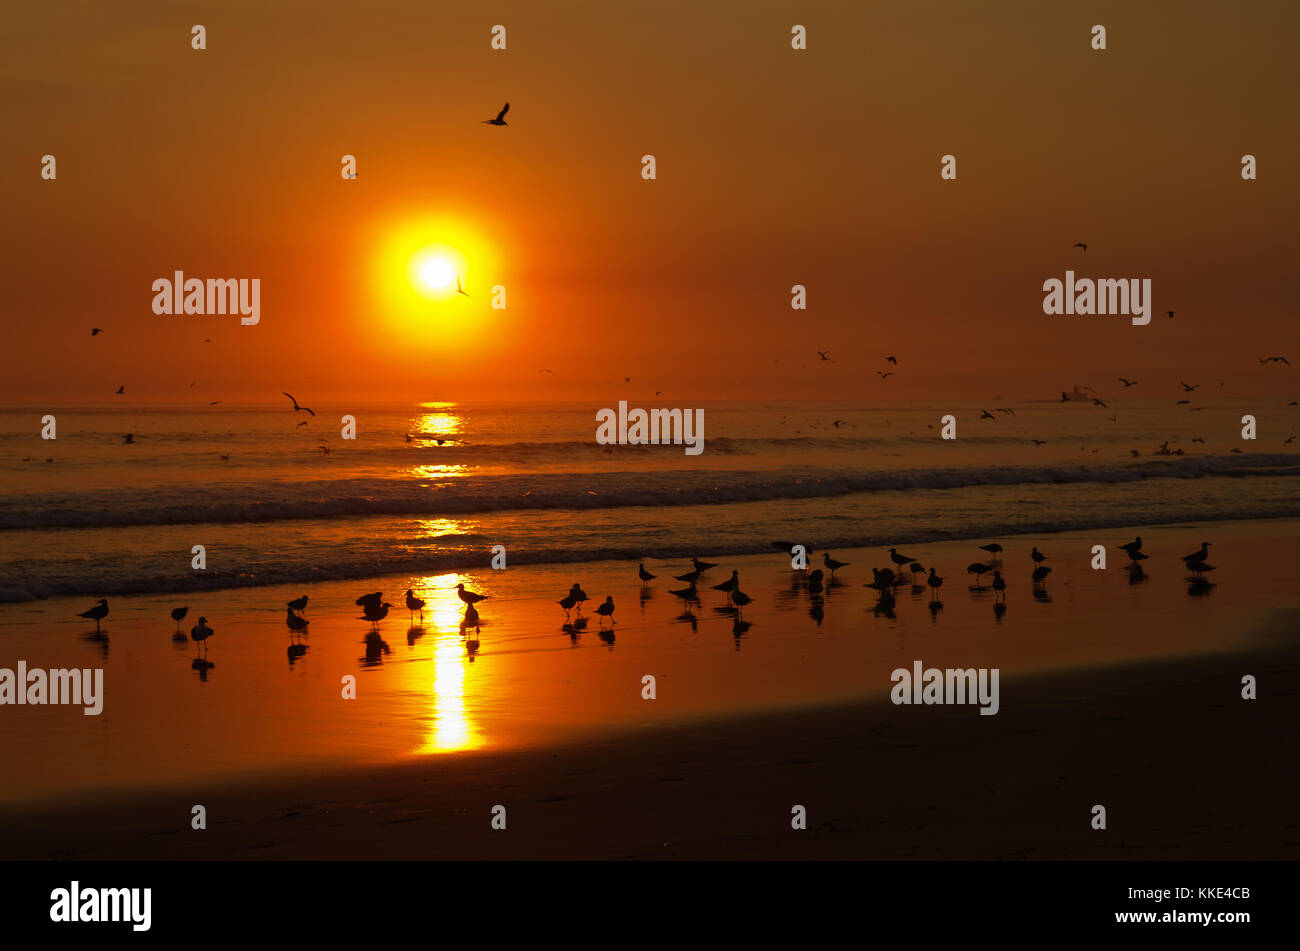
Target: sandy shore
1112,693
1186,769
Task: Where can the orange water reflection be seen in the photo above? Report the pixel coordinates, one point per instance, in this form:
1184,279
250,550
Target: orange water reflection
451,727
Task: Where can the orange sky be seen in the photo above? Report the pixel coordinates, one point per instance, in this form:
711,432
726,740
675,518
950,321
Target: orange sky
775,167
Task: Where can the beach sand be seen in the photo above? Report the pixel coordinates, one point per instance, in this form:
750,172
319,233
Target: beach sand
1124,695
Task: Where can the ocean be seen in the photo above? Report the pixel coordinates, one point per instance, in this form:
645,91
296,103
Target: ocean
432,487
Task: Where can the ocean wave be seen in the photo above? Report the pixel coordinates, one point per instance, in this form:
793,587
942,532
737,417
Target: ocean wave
462,496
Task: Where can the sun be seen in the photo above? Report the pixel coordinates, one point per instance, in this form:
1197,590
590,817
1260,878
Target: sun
437,273
432,273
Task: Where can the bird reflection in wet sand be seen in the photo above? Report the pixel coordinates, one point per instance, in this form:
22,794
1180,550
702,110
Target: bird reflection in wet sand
739,629
1200,587
295,652
884,606
376,648
999,610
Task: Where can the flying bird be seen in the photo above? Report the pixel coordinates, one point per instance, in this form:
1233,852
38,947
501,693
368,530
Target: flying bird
297,408
985,414
95,331
1187,388
551,372
884,376
1264,360
121,389
1170,313
1098,402
460,290
1127,383
1080,244
893,360
501,117
824,355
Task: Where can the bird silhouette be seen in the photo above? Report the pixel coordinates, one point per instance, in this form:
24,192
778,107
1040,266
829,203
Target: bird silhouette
95,331
1098,402
129,438
460,290
297,408
414,604
501,117
1189,388
200,633
893,360
295,624
884,376
1127,383
824,354
121,389
97,613
606,610
730,586
985,414
469,597
298,604
644,575
832,564
1264,360
178,615
1080,244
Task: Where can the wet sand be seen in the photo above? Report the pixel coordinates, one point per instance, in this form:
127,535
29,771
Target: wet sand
1185,768
1112,693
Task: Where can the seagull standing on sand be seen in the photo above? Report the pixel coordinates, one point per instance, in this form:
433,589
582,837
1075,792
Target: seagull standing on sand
200,633
295,623
644,575
567,602
901,560
1197,556
578,595
501,117
469,597
97,613
935,583
1037,555
740,599
374,613
832,564
702,566
414,604
993,548
730,586
606,610
178,615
